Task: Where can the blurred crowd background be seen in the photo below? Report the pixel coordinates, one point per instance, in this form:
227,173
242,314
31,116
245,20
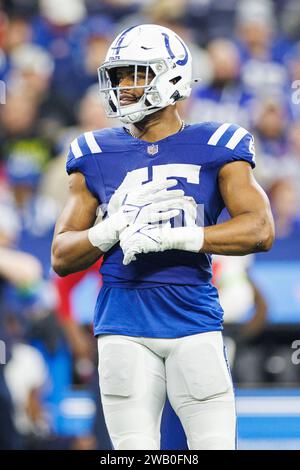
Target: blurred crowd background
247,54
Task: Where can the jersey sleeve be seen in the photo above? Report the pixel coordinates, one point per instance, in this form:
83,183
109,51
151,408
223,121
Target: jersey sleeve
76,160
233,143
80,158
244,149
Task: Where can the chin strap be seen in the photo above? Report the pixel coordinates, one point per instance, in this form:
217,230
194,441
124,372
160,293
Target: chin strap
132,118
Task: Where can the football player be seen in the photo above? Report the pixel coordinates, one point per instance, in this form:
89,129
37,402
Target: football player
158,187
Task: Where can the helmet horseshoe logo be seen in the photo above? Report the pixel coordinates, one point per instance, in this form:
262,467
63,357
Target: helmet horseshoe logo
171,53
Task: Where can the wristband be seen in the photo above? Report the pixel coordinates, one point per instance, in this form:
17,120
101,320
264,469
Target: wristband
105,234
184,238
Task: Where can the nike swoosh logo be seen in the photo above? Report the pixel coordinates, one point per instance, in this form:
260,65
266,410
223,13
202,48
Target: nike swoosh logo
147,48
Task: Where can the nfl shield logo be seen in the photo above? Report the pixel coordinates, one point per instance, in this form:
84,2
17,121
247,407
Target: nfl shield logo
152,149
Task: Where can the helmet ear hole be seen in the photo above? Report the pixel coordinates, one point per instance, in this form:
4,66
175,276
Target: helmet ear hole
175,80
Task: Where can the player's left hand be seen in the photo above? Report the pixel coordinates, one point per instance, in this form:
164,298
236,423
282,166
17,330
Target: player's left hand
140,239
145,238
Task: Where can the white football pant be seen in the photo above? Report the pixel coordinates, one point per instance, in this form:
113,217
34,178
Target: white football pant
136,373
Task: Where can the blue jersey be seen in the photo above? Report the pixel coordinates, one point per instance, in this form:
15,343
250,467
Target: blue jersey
110,158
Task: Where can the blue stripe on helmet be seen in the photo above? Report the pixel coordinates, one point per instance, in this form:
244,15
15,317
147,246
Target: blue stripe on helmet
121,39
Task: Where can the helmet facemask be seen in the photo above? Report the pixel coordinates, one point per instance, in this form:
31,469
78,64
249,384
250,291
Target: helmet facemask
155,88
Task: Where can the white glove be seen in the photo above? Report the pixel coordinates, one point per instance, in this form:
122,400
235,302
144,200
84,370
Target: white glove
144,205
150,238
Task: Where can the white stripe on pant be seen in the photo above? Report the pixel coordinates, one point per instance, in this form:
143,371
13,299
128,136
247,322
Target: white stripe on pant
136,373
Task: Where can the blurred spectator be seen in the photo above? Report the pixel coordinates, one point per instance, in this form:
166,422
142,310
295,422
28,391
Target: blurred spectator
18,32
91,116
275,166
25,8
62,13
210,19
9,438
22,379
30,75
90,41
290,18
96,36
18,117
15,30
261,51
28,218
270,132
255,27
78,334
32,68
21,270
52,31
233,281
283,197
115,9
270,121
21,130
225,98
3,27
246,316
26,375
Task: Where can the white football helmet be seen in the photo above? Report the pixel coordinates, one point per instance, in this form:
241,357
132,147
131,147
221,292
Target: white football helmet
157,49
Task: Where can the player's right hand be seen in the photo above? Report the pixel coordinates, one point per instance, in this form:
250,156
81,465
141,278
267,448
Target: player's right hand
150,238
149,203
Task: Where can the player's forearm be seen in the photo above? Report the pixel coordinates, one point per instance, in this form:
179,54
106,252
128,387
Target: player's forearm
72,252
241,235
